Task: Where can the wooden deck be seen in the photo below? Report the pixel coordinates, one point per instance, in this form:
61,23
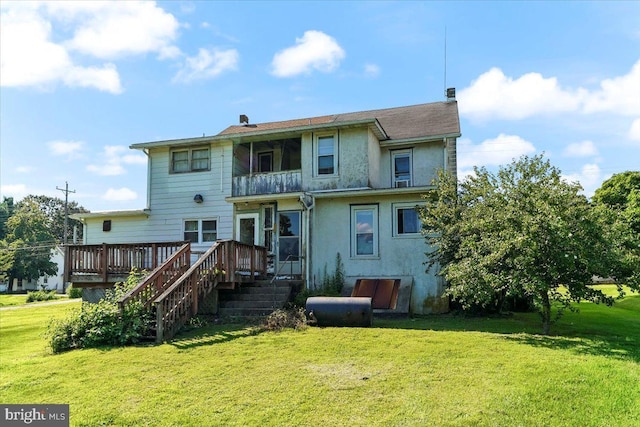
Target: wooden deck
174,288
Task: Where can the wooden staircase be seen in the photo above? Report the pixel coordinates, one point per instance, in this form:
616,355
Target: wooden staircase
174,290
256,299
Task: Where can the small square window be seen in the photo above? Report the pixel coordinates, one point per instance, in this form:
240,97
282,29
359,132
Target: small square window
191,231
406,220
106,225
209,231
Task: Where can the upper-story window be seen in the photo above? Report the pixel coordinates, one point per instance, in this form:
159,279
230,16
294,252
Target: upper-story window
326,158
265,161
402,166
190,160
200,230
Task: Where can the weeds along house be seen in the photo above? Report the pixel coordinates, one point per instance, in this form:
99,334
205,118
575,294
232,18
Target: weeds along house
305,189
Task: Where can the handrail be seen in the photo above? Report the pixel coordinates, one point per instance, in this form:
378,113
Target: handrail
160,278
218,264
119,259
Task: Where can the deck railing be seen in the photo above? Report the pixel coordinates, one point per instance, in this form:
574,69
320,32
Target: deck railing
116,259
220,264
160,278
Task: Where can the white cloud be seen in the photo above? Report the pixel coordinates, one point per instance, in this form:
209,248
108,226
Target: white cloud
110,30
120,195
492,152
17,191
35,51
493,95
113,157
371,70
207,64
30,58
634,132
619,95
590,177
581,149
314,51
24,169
71,149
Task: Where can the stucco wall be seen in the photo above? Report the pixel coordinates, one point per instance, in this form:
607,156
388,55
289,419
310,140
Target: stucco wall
397,255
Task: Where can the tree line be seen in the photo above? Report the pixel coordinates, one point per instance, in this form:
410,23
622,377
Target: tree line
29,230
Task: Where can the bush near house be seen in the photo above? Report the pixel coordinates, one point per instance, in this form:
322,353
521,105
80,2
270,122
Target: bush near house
41,296
102,323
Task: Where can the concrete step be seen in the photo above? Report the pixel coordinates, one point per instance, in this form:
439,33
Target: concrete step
255,296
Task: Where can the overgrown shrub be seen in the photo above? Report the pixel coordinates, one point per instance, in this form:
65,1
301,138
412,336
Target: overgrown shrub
41,296
74,292
331,285
101,323
293,318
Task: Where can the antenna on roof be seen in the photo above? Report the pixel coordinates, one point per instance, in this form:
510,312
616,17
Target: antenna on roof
445,61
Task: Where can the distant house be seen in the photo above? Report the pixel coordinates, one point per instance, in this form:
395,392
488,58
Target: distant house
44,282
306,189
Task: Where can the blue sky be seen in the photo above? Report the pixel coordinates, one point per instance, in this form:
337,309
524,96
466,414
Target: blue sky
81,81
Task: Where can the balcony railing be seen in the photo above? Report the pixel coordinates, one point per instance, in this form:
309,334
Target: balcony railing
267,183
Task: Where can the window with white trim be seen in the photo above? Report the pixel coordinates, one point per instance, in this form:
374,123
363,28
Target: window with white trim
326,155
401,168
200,230
364,231
406,221
190,160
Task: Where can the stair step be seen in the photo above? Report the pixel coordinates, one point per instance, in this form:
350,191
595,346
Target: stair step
266,304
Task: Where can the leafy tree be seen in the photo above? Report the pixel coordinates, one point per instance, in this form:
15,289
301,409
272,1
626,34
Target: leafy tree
618,203
6,210
521,232
27,247
53,208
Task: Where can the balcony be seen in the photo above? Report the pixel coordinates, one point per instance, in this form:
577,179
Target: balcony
267,183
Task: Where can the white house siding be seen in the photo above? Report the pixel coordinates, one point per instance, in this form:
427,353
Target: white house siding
398,256
172,203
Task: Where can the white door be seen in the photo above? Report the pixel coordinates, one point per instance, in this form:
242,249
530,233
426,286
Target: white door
247,228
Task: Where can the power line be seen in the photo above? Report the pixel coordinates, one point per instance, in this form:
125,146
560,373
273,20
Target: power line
66,192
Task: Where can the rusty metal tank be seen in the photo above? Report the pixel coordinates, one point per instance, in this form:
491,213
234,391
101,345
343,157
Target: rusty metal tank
340,311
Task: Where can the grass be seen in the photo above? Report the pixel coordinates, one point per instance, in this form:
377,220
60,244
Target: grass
437,370
7,300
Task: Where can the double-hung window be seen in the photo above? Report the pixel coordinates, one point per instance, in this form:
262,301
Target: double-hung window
364,231
326,158
401,165
406,221
200,230
190,160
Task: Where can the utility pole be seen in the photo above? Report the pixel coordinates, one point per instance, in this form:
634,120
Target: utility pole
66,192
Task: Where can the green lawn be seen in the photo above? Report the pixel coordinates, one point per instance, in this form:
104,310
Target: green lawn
436,370
7,300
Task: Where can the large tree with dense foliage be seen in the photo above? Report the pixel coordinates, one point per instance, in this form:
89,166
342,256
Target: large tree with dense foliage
618,202
522,232
53,208
26,249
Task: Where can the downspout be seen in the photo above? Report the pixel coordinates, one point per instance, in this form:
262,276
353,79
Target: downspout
307,210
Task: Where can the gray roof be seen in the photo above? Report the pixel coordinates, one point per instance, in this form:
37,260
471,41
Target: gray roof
416,121
422,121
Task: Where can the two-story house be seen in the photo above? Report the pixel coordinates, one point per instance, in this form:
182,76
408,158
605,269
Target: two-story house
306,189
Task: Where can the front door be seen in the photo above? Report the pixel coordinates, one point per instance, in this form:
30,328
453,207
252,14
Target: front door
289,244
247,230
